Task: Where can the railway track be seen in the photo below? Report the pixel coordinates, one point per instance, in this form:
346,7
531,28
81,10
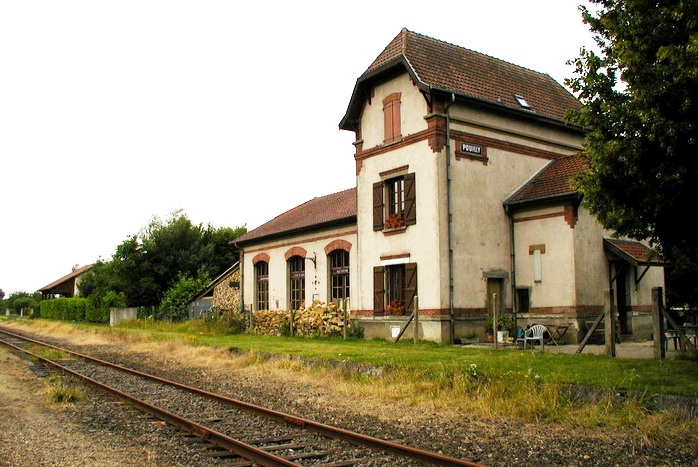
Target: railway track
245,434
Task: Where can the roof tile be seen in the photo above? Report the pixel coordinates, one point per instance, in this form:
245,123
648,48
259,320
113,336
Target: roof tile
465,72
316,212
552,180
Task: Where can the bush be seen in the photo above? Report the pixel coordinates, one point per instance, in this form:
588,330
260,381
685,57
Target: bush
63,308
504,323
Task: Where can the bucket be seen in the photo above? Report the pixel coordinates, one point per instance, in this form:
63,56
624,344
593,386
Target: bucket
502,336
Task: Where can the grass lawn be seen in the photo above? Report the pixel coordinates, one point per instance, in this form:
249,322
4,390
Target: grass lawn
430,360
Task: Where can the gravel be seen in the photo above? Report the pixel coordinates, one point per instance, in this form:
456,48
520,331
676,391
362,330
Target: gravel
102,432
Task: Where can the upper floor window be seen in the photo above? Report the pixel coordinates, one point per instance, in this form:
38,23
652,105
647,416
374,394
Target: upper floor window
296,282
261,274
391,117
339,274
394,202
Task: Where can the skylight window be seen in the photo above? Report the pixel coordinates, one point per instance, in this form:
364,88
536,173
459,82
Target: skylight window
522,102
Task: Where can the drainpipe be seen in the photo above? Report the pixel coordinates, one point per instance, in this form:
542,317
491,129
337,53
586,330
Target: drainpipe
450,220
514,297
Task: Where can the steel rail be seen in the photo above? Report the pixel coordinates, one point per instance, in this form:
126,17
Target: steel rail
327,430
218,439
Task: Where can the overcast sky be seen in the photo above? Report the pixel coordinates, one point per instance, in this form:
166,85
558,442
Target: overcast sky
115,112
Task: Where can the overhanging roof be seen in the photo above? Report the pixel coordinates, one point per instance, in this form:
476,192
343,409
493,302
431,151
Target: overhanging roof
633,252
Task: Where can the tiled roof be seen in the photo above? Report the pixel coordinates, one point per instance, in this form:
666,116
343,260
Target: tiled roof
552,181
451,68
633,251
67,277
317,212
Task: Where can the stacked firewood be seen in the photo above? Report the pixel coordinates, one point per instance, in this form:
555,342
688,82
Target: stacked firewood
317,319
270,322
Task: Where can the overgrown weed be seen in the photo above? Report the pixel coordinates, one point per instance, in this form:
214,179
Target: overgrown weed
61,393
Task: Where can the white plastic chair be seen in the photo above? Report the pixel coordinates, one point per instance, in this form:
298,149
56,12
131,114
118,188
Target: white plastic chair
535,333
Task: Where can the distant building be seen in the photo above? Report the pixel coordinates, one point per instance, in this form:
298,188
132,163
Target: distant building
66,286
222,294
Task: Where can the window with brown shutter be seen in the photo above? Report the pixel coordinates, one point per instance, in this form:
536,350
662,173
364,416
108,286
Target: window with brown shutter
395,202
396,286
378,289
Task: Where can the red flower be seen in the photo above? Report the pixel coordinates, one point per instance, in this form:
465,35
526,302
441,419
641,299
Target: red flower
394,221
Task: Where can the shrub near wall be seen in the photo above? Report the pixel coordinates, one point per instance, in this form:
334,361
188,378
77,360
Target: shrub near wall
69,309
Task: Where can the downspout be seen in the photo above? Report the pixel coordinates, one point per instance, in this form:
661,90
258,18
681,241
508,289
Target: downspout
449,197
241,259
512,254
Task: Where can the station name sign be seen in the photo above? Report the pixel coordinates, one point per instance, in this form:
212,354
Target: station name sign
470,148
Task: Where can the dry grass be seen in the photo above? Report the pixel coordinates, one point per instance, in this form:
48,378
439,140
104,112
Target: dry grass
451,394
61,393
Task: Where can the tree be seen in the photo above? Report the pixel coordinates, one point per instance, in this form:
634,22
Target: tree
638,98
146,265
18,301
176,298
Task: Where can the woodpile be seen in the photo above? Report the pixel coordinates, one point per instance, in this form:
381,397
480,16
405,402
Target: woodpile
269,322
317,319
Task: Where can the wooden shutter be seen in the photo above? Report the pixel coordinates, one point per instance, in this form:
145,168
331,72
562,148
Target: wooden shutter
395,111
378,206
378,289
391,118
410,286
388,123
410,199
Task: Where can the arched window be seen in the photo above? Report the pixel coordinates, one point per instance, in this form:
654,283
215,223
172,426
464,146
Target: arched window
261,275
296,282
339,274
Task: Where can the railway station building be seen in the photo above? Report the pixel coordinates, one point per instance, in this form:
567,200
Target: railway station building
463,206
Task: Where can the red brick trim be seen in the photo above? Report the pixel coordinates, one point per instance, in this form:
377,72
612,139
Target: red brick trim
401,255
436,125
539,217
295,251
388,173
260,257
295,242
484,141
571,215
487,142
337,245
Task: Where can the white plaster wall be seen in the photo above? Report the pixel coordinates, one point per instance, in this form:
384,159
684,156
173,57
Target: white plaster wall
420,241
482,122
557,287
591,269
412,110
316,278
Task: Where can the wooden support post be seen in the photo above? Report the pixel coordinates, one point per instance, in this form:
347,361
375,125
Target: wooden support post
658,323
610,324
495,326
416,320
590,332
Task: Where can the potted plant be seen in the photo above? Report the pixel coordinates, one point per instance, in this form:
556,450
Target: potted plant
505,326
395,307
394,222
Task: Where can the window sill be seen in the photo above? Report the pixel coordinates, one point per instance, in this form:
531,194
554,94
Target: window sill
394,230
